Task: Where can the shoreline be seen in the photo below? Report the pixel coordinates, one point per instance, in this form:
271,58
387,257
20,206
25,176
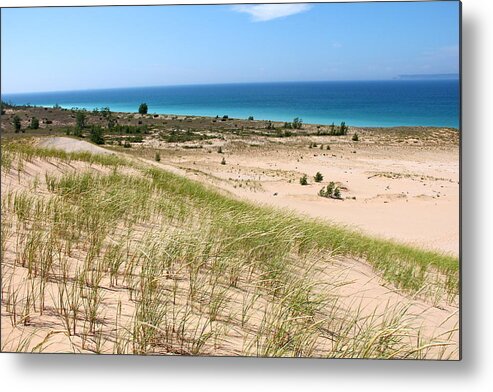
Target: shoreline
211,117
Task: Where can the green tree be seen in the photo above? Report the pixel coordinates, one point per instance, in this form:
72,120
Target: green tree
143,108
318,177
304,180
80,120
106,114
16,121
332,128
97,135
34,123
343,128
337,193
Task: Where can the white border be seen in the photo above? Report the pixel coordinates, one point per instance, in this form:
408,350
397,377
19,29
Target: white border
473,373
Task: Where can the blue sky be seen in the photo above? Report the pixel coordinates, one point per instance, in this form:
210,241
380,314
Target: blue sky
53,49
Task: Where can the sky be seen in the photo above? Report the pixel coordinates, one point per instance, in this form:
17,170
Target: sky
75,48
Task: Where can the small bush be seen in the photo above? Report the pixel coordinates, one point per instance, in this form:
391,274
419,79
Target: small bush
330,188
223,162
297,123
318,177
332,191
219,150
16,121
304,180
34,123
127,144
80,120
97,135
157,157
250,118
355,137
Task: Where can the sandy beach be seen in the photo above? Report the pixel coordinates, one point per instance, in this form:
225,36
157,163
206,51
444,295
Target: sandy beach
394,186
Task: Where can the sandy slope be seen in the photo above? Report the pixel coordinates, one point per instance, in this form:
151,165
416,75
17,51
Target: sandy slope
71,145
404,191
364,291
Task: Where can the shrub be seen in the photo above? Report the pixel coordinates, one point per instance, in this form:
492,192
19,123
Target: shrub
17,123
337,193
322,192
338,131
304,180
330,188
297,123
34,123
127,144
78,132
223,162
328,147
97,135
355,137
219,150
250,118
143,108
343,128
80,120
157,157
318,177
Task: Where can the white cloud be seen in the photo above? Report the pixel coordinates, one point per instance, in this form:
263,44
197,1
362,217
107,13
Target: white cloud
265,12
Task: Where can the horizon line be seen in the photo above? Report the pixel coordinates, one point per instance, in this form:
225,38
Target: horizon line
425,77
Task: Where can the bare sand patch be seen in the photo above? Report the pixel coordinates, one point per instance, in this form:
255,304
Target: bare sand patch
71,145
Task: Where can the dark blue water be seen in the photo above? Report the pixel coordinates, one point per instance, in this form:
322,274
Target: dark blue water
358,103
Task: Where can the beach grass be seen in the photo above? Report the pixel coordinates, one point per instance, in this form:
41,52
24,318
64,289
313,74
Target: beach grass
149,262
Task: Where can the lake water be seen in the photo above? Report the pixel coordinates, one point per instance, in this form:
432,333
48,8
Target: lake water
358,103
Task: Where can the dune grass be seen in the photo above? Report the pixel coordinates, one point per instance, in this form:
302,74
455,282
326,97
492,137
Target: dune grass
153,263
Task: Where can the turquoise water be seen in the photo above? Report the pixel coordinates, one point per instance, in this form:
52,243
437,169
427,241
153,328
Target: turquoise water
358,103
